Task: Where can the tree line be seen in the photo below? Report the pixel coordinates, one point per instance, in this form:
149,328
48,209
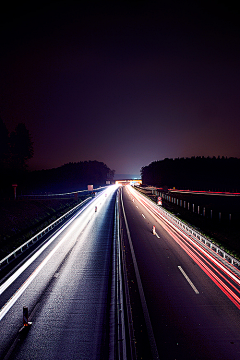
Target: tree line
69,177
195,173
16,148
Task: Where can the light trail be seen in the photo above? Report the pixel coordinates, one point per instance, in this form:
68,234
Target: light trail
78,221
226,280
163,221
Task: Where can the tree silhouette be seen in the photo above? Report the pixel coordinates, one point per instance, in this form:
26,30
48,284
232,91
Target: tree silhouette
4,144
15,150
195,173
21,147
69,177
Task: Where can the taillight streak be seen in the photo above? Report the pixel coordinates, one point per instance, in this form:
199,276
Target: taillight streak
190,240
231,295
203,261
208,262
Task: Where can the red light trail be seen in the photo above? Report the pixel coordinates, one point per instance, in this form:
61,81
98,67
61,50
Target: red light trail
222,276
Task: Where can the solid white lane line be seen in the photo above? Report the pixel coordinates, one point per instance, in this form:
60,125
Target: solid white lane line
188,280
143,216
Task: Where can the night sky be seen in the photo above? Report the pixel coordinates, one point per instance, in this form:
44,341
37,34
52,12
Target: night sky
122,84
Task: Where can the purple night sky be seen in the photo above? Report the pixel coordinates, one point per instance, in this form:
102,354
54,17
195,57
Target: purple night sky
122,84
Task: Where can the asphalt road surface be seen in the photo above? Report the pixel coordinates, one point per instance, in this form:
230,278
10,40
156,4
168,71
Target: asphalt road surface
66,289
191,307
189,302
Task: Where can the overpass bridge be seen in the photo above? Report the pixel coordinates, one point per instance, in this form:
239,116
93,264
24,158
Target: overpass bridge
123,182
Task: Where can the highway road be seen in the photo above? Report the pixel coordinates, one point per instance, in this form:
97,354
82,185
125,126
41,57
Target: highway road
66,287
184,303
190,301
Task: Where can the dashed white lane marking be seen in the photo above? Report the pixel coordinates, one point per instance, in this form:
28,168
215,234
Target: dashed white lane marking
157,236
188,280
143,216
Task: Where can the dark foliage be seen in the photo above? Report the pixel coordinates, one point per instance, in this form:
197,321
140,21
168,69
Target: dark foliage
4,144
69,177
15,150
195,173
21,147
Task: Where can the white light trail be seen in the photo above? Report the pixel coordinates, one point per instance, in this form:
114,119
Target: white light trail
23,287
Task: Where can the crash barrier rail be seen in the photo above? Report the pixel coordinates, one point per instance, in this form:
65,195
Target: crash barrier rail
117,348
62,195
196,235
13,255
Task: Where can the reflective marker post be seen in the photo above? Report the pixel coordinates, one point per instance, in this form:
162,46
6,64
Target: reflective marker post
154,230
25,317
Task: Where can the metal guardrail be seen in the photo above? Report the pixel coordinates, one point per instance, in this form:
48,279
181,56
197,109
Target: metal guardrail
196,235
67,194
14,254
117,349
201,238
122,354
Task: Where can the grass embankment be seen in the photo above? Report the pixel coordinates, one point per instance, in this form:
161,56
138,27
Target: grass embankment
224,233
21,219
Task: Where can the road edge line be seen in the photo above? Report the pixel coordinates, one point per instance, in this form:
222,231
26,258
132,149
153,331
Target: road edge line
152,341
